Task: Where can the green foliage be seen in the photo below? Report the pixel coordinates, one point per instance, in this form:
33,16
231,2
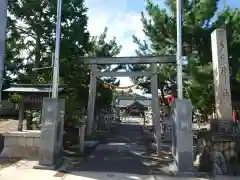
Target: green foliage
104,48
37,33
34,119
30,44
199,86
73,110
15,98
200,18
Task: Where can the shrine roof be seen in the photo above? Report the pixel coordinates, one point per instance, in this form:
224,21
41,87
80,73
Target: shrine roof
33,88
127,103
129,96
132,98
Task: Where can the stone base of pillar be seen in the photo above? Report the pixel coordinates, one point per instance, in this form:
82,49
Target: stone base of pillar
50,148
182,138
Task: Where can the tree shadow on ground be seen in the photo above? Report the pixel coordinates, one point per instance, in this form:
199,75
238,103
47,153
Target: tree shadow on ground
124,152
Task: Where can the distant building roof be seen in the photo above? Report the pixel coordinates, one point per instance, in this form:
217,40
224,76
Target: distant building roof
146,102
124,99
126,102
33,88
129,96
132,98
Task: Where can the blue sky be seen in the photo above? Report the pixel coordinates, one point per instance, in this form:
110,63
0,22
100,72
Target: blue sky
122,17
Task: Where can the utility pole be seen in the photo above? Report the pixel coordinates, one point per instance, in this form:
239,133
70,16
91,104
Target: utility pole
179,50
55,80
3,27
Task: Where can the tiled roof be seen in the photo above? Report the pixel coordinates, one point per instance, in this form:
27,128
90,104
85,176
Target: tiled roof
126,103
35,88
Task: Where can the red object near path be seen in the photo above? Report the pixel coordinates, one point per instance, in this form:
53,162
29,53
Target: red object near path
235,117
170,98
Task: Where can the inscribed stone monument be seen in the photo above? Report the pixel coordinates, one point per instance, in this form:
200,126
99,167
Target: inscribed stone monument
223,125
182,136
51,133
221,75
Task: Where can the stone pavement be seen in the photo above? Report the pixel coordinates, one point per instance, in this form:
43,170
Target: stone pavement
23,171
123,153
123,157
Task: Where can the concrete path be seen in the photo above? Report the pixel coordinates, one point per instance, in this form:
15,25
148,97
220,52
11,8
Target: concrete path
123,157
23,171
123,153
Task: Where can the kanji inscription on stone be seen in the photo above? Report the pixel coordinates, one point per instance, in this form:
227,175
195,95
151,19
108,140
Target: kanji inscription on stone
225,94
224,72
222,46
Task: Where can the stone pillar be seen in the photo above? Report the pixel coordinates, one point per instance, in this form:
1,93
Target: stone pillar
50,149
221,75
21,113
224,114
91,99
155,107
81,138
182,137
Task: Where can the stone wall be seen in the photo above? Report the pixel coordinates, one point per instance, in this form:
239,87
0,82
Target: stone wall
23,144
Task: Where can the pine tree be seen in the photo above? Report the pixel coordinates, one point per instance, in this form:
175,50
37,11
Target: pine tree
200,18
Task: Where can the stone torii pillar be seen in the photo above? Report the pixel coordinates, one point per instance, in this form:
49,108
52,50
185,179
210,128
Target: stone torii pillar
155,106
91,99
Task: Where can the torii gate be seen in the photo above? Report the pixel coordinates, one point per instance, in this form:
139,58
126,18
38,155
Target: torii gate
95,72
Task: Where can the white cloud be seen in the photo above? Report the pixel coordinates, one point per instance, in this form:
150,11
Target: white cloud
121,22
